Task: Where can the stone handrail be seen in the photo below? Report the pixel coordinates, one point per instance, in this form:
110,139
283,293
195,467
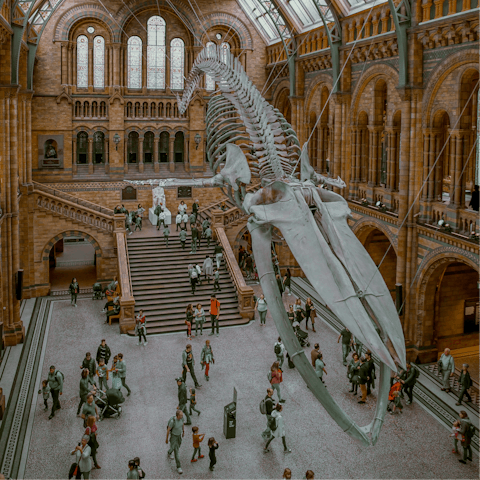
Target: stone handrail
127,302
245,293
40,187
66,208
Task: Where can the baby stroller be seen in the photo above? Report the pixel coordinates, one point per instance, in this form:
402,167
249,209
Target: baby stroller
301,335
109,403
97,291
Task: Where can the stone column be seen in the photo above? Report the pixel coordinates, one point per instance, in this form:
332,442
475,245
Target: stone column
74,154
70,64
336,166
106,154
353,170
459,197
320,158
64,49
29,141
453,149
90,154
116,64
426,152
156,165
140,154
186,153
125,143
373,160
438,184
90,67
171,156
431,172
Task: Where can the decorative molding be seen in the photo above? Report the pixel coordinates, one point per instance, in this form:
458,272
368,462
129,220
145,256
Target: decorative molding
220,18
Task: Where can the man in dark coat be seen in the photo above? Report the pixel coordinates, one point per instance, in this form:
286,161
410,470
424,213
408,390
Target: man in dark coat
363,378
408,379
90,365
269,406
182,399
103,351
465,383
371,372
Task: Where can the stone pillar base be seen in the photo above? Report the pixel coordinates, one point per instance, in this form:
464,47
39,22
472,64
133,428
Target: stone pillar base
141,167
172,167
156,167
15,336
90,168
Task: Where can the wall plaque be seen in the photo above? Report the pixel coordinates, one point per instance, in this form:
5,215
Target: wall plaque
50,151
184,192
129,193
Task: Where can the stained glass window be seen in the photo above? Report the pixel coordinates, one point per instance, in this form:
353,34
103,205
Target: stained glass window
177,60
134,62
225,51
82,61
209,81
98,62
156,53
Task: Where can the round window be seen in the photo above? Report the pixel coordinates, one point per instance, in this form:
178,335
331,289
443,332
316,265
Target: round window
90,29
219,36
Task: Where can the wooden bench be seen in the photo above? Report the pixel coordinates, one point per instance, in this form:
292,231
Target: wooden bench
113,317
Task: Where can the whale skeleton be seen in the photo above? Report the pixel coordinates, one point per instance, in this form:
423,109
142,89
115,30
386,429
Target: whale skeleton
247,137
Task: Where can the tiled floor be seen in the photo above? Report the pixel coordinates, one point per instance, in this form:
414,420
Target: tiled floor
411,446
61,277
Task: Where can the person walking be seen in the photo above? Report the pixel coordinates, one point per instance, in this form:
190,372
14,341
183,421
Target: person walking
74,290
278,429
275,377
89,408
55,382
141,328
198,268
183,399
214,313
91,431
178,221
166,234
352,373
197,439
193,402
84,388
199,318
465,383
248,266
299,311
310,313
194,233
320,366
269,406
189,318
161,219
241,256
363,379
132,471
213,446
116,380
408,379
185,220
90,365
122,372
218,252
102,373
208,234
262,308
103,351
205,225
141,473
287,282
279,350
314,354
279,283
207,358
467,431
45,392
183,237
291,314
216,281
82,454
346,337
371,372
188,363
208,268
192,219
176,431
446,367
195,208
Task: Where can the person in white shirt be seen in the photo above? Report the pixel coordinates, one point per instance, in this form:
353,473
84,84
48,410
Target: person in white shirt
182,208
178,220
208,268
185,220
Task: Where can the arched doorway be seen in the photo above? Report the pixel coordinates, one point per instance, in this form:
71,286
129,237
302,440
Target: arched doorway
449,304
379,247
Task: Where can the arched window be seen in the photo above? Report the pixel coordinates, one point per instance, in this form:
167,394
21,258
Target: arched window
156,53
177,59
132,147
98,62
148,141
82,61
225,50
82,147
98,147
163,147
209,81
178,147
134,62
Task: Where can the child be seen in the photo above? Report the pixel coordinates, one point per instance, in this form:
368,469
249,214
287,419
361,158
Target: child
45,391
212,445
196,440
193,401
166,234
216,278
141,473
102,373
397,403
456,435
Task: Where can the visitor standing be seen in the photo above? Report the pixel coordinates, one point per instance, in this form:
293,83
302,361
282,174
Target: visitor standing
55,382
141,328
195,208
103,351
249,266
74,290
467,431
176,431
185,220
269,406
102,373
363,379
213,446
208,235
89,408
122,372
214,313
193,402
262,308
276,378
371,372
183,399
208,268
194,233
182,207
278,429
465,382
408,379
346,337
310,313
207,358
352,373
178,221
199,318
91,431
82,453
132,471
188,363
45,392
446,367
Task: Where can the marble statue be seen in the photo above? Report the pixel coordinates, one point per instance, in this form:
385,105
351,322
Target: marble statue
159,197
247,137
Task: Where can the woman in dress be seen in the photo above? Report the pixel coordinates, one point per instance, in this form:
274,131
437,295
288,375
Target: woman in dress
91,431
261,307
199,315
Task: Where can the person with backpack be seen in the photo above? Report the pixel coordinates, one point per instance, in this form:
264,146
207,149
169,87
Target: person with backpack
467,430
132,471
141,473
176,431
266,408
55,382
277,426
408,378
465,383
206,358
446,368
183,399
279,350
275,377
193,274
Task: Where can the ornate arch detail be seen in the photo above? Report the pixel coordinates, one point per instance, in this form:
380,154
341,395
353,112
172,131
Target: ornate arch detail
73,15
162,129
220,18
430,263
441,71
284,84
376,70
101,129
83,128
133,129
45,253
184,14
182,129
372,223
320,80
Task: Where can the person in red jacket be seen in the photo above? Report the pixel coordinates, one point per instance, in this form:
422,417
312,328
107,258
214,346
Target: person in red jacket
275,377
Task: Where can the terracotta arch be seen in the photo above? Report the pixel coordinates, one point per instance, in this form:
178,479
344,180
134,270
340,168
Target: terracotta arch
321,80
279,90
219,19
364,227
71,233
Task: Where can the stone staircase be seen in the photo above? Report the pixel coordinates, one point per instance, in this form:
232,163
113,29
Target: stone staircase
161,286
